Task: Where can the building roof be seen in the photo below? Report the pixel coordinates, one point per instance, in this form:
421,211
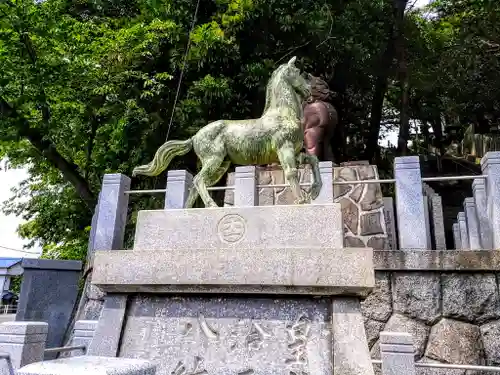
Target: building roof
9,262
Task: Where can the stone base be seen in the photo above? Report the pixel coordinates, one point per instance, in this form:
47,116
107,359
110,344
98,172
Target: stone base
87,365
362,204
240,228
320,271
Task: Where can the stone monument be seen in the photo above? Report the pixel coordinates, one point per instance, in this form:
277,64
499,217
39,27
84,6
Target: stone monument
237,290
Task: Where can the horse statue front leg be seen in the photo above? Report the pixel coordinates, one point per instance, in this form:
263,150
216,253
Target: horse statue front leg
313,161
287,158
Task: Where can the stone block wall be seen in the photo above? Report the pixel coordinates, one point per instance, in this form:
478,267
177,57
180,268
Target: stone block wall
362,204
454,316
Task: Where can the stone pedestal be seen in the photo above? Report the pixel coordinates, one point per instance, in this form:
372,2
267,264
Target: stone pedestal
362,204
238,290
48,293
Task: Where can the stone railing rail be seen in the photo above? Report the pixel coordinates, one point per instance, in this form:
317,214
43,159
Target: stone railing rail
398,357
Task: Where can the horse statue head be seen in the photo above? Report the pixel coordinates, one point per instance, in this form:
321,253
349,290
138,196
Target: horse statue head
287,76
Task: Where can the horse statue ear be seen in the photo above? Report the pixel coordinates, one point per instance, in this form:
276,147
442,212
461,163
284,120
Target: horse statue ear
292,61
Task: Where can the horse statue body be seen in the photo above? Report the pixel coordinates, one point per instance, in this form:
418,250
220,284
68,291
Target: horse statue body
276,136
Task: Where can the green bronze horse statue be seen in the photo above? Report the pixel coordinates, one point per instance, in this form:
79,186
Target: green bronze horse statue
276,136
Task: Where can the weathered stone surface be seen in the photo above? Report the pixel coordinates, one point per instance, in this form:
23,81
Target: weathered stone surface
373,329
351,241
348,174
94,292
491,340
378,305
350,215
361,200
366,172
240,227
419,331
92,309
473,297
453,341
357,193
229,334
417,294
371,224
377,243
436,260
372,198
298,270
436,371
90,365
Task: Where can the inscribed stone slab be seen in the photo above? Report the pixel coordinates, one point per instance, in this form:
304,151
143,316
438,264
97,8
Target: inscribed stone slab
241,227
230,336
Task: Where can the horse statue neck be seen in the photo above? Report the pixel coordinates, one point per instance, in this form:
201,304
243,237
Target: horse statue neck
281,95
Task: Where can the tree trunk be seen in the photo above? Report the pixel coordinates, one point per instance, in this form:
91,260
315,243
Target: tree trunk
381,83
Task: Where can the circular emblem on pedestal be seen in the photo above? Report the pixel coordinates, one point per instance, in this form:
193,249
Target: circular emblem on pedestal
231,228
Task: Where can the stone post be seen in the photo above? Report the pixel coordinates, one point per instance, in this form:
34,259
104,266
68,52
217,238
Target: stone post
351,354
472,224
179,182
490,166
456,237
464,233
110,231
246,192
112,212
438,221
326,193
479,192
24,342
398,355
410,203
427,222
83,333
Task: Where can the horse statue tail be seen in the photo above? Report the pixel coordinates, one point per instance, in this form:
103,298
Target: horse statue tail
163,157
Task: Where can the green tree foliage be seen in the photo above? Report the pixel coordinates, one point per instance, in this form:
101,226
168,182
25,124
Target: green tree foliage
88,87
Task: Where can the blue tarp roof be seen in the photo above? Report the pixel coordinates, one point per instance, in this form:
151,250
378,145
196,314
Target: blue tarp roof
9,262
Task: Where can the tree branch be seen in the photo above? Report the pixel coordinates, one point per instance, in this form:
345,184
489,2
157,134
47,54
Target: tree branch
49,151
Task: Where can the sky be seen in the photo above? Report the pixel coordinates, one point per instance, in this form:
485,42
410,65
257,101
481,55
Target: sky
12,177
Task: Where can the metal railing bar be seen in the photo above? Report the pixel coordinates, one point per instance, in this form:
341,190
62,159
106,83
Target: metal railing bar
65,349
307,184
362,182
152,191
453,178
449,366
212,188
274,186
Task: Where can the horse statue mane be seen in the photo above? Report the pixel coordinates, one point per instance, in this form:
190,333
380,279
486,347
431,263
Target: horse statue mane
276,136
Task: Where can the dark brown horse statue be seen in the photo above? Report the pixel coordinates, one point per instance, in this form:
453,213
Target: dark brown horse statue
319,121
